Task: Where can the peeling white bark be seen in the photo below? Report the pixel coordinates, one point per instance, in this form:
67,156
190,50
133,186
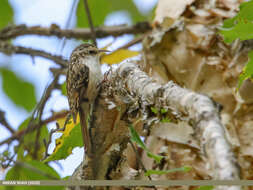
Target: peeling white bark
128,85
198,109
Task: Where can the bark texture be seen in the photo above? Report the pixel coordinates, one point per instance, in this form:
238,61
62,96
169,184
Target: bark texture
128,95
210,121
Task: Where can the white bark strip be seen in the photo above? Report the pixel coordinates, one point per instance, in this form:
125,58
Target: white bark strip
198,109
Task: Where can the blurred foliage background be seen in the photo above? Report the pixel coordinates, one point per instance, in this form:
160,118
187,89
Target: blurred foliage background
23,78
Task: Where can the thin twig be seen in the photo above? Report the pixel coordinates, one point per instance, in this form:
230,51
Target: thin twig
140,161
4,122
33,127
10,49
40,108
7,159
93,33
132,42
52,132
138,158
46,95
77,33
71,13
36,144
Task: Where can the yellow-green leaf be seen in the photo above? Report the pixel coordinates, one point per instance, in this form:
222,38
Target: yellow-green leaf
154,110
205,188
118,56
71,138
64,89
247,70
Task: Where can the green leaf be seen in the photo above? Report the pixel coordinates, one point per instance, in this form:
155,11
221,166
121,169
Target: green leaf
101,8
66,177
64,89
136,138
156,157
205,188
162,172
241,31
163,111
6,15
22,93
32,170
247,70
240,26
28,143
154,110
165,120
70,139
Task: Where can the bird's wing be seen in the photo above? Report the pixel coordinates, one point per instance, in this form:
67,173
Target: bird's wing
77,83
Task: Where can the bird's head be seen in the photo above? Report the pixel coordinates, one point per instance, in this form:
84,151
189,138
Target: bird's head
86,50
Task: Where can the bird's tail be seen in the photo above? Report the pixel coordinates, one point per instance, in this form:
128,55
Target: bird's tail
84,114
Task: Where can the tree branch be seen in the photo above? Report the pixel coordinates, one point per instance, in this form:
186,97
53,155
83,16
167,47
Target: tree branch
5,123
93,33
33,127
198,109
127,95
10,49
40,108
77,33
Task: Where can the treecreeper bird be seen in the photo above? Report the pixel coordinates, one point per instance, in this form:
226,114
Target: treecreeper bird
83,78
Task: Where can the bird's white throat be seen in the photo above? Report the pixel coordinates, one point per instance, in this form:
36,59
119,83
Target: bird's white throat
93,63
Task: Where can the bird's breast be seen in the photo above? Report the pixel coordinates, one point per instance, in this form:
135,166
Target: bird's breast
95,77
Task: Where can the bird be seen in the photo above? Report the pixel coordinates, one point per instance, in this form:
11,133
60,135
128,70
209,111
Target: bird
84,76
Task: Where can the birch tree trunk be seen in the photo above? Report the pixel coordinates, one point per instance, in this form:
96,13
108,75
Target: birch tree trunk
187,70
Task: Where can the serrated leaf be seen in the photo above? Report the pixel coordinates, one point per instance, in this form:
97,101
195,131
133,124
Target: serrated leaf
247,70
240,31
71,138
118,56
32,170
6,15
154,110
240,26
162,172
101,8
21,92
136,138
205,188
29,140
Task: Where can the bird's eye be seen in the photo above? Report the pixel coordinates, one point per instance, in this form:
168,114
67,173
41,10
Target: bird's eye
92,52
